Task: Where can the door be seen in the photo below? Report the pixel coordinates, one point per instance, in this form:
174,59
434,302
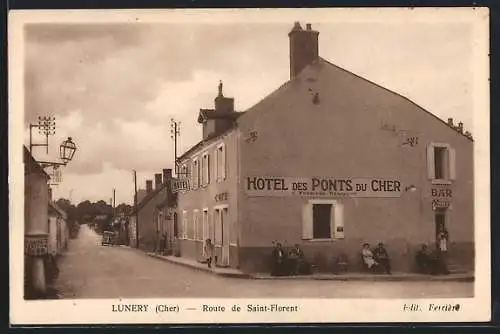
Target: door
440,221
206,230
225,237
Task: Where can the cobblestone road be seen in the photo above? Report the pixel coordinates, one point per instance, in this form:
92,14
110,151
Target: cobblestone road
89,270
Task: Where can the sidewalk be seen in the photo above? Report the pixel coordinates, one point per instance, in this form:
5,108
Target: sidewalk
397,277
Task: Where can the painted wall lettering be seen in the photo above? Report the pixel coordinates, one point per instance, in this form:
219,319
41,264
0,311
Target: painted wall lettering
441,197
322,187
221,197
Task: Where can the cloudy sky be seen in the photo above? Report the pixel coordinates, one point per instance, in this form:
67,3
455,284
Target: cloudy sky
114,87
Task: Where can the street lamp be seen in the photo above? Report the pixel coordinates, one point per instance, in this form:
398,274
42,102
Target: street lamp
67,150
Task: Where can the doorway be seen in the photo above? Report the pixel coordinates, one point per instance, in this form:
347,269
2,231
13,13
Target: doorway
440,221
222,234
225,237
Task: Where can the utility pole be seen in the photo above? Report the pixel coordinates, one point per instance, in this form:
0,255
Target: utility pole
175,132
136,213
114,203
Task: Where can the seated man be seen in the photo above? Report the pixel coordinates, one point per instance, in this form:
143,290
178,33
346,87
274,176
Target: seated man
299,265
382,257
424,260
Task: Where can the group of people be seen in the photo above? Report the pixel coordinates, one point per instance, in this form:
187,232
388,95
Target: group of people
288,263
376,260
434,262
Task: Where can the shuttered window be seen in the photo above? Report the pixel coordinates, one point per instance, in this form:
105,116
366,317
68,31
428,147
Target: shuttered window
441,164
221,166
322,219
184,224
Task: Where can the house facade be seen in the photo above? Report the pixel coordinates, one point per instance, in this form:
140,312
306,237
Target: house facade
153,214
58,230
328,161
36,228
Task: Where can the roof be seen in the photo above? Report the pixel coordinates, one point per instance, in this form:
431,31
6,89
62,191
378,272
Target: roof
324,61
150,196
31,164
206,112
56,209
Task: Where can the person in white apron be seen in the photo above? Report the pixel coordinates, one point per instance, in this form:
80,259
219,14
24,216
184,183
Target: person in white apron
443,249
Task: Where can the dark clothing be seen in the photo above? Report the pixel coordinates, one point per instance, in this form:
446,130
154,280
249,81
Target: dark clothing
297,263
425,262
279,262
382,258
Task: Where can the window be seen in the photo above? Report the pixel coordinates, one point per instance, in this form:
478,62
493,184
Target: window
184,224
197,225
323,219
221,162
218,227
205,169
441,162
206,230
196,174
184,171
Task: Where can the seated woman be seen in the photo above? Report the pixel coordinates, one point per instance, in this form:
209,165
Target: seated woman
367,255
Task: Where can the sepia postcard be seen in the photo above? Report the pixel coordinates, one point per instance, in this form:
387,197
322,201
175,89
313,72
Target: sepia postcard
249,166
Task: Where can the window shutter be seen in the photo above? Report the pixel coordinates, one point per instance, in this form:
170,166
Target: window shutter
217,168
430,162
453,170
208,168
307,223
338,221
223,174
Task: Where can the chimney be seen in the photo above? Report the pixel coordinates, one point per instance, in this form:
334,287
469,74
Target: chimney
461,127
167,174
223,105
157,181
450,122
304,48
149,186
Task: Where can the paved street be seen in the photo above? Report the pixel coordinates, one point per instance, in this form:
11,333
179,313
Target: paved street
89,270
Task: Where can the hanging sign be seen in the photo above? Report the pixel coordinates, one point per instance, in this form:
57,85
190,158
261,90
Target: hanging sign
180,185
322,187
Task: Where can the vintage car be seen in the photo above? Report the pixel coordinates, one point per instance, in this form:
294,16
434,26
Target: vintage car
109,238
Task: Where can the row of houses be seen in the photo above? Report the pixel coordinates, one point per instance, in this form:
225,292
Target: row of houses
46,230
329,161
